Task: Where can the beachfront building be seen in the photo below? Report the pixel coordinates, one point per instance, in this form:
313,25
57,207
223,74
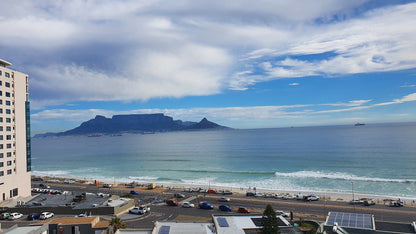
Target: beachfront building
15,163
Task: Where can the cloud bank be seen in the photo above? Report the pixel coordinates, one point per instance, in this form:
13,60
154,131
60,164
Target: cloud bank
137,50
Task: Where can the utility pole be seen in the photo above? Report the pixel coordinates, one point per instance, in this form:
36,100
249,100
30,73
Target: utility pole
352,189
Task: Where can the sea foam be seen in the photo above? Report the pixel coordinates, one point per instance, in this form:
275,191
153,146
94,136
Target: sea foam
339,176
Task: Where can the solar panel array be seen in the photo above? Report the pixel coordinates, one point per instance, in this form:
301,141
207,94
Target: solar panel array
222,222
351,220
164,230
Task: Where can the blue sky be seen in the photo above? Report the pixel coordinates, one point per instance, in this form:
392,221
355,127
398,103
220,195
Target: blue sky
244,64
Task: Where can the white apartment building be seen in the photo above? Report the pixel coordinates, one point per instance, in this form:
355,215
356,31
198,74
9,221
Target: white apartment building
15,159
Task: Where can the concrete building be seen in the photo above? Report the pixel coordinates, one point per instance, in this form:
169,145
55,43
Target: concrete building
15,160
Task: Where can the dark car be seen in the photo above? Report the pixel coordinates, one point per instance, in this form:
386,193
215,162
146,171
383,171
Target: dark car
206,205
225,208
44,186
37,179
250,194
243,210
172,203
134,192
4,216
33,216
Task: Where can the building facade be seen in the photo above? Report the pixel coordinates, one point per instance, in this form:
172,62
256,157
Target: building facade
15,159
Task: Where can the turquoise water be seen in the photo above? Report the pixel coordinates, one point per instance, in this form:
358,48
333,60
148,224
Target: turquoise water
378,159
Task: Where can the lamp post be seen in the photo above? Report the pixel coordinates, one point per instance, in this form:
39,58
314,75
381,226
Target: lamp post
352,189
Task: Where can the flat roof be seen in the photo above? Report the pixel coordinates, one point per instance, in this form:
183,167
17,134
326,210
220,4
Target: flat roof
182,228
66,221
238,223
4,63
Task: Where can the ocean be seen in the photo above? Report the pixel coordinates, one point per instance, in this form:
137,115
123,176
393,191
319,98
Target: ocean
378,159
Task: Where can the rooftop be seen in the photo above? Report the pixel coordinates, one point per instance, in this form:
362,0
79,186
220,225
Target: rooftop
4,63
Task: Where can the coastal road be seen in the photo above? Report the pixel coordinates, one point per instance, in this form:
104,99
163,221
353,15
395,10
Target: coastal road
316,210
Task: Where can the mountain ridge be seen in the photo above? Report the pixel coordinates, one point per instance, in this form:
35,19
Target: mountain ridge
135,123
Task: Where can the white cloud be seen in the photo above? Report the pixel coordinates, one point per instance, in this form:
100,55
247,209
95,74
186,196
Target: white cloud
294,84
137,50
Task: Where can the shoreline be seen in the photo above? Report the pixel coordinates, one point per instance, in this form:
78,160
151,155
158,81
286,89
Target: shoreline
324,195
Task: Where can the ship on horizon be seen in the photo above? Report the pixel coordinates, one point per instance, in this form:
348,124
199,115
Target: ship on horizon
359,124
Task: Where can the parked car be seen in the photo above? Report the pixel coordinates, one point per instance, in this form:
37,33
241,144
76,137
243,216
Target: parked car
179,195
188,205
206,206
397,203
172,203
356,202
37,179
227,192
134,192
211,191
15,216
243,210
369,202
4,215
69,181
311,198
250,194
282,213
33,216
139,210
225,208
46,215
44,186
107,186
224,199
258,194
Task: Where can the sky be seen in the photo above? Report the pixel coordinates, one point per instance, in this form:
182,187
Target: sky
243,64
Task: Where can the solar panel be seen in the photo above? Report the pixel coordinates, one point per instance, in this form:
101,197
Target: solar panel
164,230
351,220
222,222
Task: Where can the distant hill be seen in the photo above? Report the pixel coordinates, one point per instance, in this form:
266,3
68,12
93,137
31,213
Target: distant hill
135,123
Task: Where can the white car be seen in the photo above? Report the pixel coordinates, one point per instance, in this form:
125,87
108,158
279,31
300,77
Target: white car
46,215
282,213
313,198
188,205
139,210
15,216
224,199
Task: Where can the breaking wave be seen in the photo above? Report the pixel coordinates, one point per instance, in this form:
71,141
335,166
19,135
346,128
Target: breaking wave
339,176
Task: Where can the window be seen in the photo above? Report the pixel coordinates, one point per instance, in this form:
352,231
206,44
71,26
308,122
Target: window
0,80
1,102
1,137
7,103
1,146
1,164
7,94
9,146
1,93
0,75
1,111
1,173
9,154
1,128
9,172
8,111
15,192
1,119
8,120
6,74
8,128
7,84
1,155
8,137
9,163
